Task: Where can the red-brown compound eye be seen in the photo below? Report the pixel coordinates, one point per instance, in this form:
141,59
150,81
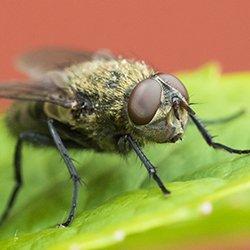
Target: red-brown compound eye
144,101
175,83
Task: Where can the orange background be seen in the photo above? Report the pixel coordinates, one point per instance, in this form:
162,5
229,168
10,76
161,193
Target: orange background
170,34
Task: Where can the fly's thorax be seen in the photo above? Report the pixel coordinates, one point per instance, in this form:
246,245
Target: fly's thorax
102,77
104,84
58,113
100,88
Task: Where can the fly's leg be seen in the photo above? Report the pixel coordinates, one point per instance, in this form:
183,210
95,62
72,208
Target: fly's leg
209,139
225,119
148,165
28,137
71,168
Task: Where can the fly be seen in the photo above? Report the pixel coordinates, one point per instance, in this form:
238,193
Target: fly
95,101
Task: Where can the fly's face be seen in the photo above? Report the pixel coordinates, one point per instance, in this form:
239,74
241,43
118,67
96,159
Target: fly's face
158,108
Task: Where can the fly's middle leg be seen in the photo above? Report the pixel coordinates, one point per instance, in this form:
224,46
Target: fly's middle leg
71,168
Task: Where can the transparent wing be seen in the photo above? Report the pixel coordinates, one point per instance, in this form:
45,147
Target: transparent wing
36,63
48,84
43,90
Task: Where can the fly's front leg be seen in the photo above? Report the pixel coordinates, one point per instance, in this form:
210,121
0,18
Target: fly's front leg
148,165
209,139
71,168
23,137
223,120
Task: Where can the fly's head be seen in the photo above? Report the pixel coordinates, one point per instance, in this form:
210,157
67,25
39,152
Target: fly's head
158,108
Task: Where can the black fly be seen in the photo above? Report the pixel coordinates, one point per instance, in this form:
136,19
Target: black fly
95,101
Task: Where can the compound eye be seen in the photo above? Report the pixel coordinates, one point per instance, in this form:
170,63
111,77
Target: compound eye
175,83
144,101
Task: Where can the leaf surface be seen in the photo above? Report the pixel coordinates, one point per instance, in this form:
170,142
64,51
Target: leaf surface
120,207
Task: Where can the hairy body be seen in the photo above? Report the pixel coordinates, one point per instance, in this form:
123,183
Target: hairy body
95,101
102,119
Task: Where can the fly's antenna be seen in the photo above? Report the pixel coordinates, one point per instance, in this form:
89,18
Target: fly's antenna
186,107
175,106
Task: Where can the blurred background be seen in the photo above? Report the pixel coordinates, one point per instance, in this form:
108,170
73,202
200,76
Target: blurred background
171,35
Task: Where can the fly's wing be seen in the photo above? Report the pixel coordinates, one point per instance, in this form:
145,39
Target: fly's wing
36,63
52,88
48,84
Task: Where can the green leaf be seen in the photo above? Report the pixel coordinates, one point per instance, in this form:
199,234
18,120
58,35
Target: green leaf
120,207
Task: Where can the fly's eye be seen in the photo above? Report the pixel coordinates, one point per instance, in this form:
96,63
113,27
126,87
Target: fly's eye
144,101
175,83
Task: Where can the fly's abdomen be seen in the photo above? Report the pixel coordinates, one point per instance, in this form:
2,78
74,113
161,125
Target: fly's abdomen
26,116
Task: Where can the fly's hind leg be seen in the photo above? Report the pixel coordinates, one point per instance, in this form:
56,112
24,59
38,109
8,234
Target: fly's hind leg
23,137
37,138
